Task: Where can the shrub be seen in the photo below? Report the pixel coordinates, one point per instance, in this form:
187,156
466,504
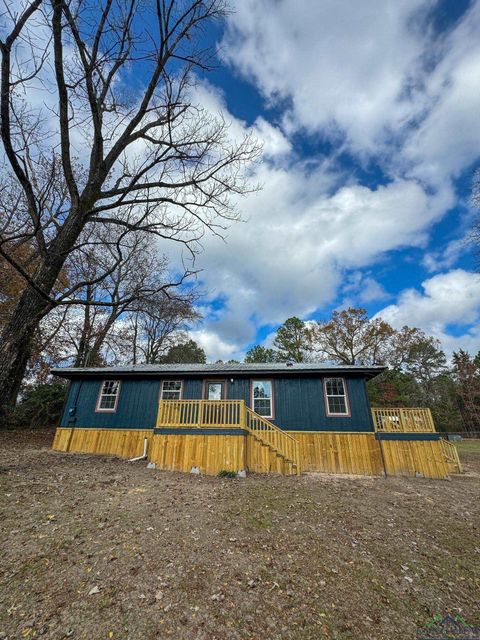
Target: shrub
40,406
227,474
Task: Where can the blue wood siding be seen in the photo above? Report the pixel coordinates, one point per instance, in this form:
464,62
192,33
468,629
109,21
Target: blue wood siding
299,403
300,406
136,409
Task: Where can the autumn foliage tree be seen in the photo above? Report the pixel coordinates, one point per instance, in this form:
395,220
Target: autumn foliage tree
350,337
417,372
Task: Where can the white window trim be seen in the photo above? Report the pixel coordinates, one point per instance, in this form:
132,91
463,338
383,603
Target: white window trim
346,414
168,380
272,397
99,409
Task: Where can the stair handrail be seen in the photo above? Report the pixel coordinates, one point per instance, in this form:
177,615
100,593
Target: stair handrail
284,443
225,413
450,453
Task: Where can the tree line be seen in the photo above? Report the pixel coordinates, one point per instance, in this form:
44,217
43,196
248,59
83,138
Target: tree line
418,373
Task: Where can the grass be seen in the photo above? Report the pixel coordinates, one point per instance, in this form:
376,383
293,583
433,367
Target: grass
191,557
468,446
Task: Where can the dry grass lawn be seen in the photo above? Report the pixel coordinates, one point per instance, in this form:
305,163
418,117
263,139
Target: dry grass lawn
95,547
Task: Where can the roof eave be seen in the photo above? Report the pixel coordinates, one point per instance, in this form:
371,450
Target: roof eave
367,372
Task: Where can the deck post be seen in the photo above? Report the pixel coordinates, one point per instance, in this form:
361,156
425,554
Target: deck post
243,414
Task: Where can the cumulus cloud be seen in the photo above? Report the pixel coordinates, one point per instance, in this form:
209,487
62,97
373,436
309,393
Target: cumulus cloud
298,242
216,348
447,136
376,79
342,64
450,299
300,237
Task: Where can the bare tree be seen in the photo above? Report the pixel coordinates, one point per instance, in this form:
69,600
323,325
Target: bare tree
160,323
99,127
138,275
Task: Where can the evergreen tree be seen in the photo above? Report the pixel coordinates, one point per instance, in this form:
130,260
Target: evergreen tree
292,340
188,352
261,354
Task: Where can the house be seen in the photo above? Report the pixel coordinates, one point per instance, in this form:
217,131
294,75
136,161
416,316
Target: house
281,418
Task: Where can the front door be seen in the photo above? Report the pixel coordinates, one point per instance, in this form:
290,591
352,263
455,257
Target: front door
215,390
213,413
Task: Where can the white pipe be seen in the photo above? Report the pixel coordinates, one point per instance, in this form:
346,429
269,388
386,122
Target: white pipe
145,443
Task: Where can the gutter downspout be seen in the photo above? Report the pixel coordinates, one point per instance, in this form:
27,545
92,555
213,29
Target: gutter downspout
74,417
144,456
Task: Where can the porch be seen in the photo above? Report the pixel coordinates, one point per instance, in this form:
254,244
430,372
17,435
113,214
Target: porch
223,417
415,426
405,438
226,435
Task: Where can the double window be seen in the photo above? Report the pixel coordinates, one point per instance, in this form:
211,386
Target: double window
336,399
262,397
171,390
108,398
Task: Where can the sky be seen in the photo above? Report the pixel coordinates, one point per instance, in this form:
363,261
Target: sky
368,113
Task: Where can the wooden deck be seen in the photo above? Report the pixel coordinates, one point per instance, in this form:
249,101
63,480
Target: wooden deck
403,420
228,414
437,458
216,435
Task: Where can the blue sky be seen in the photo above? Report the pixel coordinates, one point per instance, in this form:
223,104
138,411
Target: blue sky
368,112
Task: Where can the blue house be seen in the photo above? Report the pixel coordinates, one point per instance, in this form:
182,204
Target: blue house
281,418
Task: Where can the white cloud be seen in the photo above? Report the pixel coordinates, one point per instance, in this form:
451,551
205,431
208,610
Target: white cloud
362,288
291,255
301,235
446,257
342,64
215,348
370,75
447,138
448,299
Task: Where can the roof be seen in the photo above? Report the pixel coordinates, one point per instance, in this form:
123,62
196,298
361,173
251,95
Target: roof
218,368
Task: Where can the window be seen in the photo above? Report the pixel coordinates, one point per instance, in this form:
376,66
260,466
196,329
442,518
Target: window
262,397
336,397
171,390
108,398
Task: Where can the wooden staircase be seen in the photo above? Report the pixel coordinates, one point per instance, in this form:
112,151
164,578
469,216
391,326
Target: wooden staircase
450,454
270,448
283,446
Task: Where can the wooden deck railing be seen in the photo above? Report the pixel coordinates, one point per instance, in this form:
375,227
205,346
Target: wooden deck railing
451,456
200,414
403,420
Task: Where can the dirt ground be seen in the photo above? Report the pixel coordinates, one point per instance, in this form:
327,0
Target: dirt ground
95,547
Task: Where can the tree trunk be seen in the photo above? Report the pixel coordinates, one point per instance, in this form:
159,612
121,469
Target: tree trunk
94,354
17,336
16,344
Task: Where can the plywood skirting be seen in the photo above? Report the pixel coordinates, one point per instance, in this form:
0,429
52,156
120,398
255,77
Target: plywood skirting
330,452
412,457
210,453
125,443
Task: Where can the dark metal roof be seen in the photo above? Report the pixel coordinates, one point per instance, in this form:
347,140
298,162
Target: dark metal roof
218,369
